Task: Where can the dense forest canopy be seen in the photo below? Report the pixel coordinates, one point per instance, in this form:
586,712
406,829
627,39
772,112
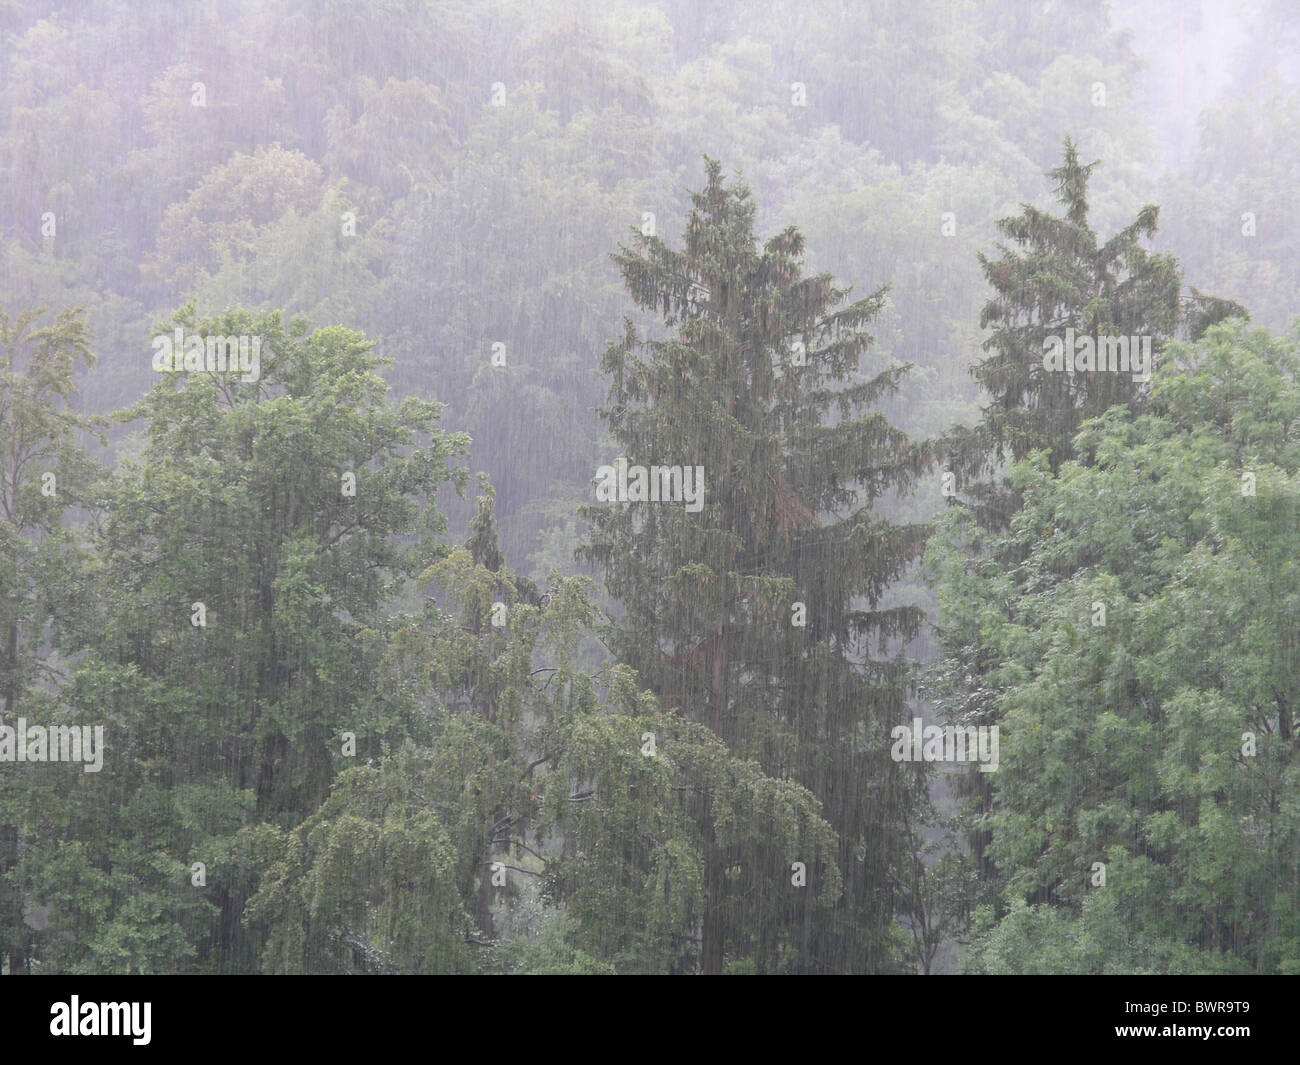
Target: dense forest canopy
649,487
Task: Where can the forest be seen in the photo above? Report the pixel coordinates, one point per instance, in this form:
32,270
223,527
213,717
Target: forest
649,487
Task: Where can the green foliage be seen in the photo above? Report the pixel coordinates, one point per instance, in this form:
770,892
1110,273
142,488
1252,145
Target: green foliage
581,783
354,162
1061,276
550,954
230,714
761,388
43,473
1161,743
365,885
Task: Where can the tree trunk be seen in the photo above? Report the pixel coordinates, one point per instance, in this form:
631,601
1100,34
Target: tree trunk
11,661
483,899
714,931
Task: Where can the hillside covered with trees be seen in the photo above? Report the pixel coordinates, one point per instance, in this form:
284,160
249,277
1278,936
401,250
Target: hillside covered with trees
649,487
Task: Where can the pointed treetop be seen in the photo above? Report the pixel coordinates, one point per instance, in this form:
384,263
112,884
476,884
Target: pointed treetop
1071,183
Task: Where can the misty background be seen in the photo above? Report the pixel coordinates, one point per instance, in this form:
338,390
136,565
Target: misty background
451,179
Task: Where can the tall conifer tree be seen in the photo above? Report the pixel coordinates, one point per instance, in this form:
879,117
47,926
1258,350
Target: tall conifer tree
761,614
1058,274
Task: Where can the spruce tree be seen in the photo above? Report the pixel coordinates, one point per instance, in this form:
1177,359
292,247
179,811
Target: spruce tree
1058,275
760,615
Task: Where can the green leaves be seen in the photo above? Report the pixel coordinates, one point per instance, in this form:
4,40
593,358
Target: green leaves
238,574
366,884
760,385
1156,735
